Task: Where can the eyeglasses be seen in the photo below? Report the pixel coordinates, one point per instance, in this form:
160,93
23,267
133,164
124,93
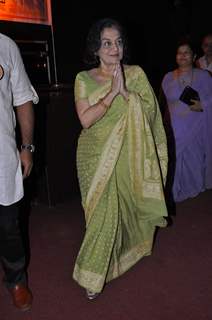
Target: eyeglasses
107,44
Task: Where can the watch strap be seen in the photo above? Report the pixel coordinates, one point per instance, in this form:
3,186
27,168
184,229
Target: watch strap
29,147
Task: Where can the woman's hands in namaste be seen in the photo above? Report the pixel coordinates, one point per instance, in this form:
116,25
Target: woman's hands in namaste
118,82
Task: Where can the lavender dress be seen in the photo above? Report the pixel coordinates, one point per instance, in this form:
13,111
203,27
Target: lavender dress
189,134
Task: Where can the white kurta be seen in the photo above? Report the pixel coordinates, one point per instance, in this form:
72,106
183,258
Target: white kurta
15,89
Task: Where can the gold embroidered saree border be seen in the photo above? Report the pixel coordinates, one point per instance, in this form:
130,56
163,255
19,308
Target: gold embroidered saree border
146,181
95,282
105,167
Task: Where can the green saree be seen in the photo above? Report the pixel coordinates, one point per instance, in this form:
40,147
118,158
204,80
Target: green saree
122,166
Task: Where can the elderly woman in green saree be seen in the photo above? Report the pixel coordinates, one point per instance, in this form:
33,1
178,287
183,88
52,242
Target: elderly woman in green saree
121,160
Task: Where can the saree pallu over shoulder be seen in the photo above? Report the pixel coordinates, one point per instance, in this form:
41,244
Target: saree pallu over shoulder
147,155
122,165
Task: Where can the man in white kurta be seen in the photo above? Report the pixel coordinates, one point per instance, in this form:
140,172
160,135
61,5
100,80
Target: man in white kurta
17,92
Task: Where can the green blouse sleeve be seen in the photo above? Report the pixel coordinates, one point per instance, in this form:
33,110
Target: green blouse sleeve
80,88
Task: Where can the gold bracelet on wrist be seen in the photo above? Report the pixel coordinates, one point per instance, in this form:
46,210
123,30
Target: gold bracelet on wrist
103,104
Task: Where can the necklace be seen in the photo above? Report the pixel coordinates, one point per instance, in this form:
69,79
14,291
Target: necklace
185,79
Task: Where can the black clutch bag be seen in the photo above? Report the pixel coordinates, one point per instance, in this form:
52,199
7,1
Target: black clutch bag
188,94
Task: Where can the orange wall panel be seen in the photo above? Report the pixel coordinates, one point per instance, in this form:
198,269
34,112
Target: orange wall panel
31,11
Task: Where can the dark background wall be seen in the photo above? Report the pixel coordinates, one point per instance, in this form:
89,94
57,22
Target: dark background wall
153,28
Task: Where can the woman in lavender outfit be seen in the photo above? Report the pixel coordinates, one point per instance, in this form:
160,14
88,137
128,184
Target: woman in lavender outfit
188,127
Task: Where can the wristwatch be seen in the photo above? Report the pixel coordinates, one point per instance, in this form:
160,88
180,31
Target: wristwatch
29,147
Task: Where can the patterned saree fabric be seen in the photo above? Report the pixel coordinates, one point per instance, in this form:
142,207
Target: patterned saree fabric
122,167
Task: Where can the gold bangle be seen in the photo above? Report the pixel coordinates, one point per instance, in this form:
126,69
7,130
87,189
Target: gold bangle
103,104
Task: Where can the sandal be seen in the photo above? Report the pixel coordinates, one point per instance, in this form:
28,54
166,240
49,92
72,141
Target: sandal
91,295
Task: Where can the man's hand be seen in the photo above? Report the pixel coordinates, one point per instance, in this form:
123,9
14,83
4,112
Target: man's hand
27,162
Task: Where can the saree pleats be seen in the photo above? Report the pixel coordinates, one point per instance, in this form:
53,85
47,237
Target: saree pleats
121,169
